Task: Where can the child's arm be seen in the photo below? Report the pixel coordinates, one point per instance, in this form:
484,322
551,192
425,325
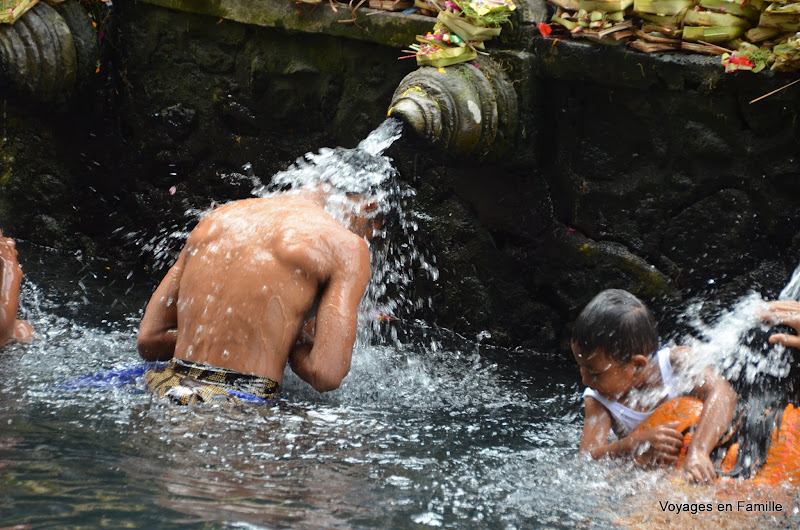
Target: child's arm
719,403
663,443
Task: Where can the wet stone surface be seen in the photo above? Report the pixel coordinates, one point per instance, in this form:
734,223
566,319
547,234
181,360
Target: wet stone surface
651,173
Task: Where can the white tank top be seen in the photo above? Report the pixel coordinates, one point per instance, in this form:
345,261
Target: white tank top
627,418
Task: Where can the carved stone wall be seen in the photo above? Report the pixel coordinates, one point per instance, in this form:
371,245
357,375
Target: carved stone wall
644,172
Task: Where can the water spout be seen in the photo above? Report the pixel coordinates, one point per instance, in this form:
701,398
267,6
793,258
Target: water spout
465,109
47,53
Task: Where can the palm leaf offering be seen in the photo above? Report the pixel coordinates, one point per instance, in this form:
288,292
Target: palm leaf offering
460,31
488,13
466,29
750,35
734,8
695,17
593,5
782,16
761,33
714,34
787,55
662,7
778,8
439,57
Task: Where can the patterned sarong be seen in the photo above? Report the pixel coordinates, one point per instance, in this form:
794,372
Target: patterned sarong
187,383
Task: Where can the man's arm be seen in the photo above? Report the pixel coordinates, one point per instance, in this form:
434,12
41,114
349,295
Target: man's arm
158,332
326,362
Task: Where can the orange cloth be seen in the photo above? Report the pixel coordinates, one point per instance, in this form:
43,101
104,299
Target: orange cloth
685,410
783,458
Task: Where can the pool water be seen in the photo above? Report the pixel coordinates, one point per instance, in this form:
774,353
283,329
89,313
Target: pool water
432,436
441,433
429,429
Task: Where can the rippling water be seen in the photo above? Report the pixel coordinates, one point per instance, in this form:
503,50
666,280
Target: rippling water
447,435
431,430
450,435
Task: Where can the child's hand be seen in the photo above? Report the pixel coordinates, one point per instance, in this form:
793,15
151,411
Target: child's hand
698,467
665,444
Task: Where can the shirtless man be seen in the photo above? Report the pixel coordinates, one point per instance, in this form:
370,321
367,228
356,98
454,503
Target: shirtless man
10,278
259,282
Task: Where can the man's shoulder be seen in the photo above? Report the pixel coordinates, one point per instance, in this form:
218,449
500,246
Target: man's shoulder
321,247
339,241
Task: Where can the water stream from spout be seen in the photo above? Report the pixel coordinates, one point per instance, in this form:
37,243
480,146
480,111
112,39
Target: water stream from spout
735,342
397,256
792,289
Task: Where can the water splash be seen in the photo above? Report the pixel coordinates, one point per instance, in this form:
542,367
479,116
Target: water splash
735,342
763,375
409,432
164,247
792,289
362,170
397,256
724,338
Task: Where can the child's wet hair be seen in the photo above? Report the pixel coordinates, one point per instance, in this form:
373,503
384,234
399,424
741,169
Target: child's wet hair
618,324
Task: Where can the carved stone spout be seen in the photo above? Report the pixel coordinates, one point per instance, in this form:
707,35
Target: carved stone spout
466,109
47,53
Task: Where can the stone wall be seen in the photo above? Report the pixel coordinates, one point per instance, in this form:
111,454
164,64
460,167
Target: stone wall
651,173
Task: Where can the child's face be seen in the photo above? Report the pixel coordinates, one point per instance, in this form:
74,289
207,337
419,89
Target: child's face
603,374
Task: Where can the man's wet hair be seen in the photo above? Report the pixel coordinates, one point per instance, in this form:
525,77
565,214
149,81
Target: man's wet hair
618,324
354,173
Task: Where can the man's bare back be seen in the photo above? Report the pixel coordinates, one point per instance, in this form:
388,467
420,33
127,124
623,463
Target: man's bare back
260,282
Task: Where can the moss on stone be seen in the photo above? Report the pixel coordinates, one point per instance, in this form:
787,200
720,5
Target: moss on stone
391,29
7,155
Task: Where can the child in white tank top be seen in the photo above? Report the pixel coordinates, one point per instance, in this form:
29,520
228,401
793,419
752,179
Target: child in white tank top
615,343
